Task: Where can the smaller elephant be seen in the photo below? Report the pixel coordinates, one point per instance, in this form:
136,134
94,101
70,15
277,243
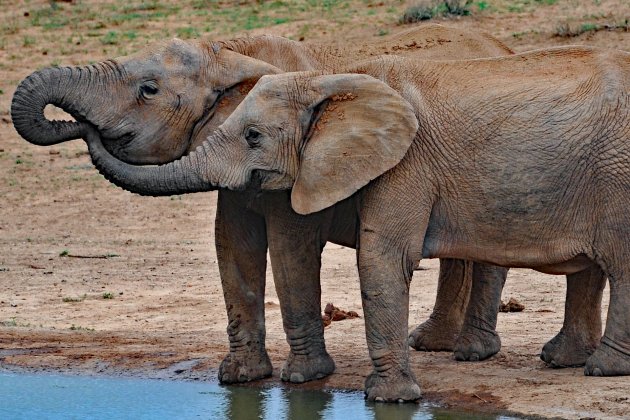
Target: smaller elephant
517,161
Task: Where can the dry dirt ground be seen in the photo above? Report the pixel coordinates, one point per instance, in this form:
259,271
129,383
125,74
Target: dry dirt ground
96,280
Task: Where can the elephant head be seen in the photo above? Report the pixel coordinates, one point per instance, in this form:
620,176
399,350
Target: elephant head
324,136
148,108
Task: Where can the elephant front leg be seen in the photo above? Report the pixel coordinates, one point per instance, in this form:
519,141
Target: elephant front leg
478,339
385,278
295,246
241,245
582,328
439,332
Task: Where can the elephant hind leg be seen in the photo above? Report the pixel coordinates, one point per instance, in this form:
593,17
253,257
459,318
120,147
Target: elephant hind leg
612,357
439,332
478,339
582,328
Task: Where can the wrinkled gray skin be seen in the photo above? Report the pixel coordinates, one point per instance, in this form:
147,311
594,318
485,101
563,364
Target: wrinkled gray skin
545,160
166,102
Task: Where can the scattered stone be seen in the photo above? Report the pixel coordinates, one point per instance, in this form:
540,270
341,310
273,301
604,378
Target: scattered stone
512,305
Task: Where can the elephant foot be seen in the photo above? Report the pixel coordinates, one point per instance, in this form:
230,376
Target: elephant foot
568,350
400,387
302,368
474,344
608,361
434,335
244,368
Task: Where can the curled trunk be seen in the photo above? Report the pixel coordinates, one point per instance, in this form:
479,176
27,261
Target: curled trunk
69,88
186,175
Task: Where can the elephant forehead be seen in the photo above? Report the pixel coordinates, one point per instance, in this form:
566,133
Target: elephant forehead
180,52
267,105
165,58
143,66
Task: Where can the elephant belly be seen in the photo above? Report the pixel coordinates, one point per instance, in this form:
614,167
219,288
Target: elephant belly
549,255
574,265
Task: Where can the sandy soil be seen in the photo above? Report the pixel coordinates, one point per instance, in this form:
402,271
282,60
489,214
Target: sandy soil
95,280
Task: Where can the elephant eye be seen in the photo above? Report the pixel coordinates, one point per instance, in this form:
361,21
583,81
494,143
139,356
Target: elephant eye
253,137
148,90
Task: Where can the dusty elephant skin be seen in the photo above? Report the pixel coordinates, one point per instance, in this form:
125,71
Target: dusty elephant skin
547,150
170,98
189,118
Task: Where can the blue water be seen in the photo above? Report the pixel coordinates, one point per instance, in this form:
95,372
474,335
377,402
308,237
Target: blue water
77,397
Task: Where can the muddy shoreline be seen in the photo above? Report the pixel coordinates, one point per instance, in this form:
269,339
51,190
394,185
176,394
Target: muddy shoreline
197,370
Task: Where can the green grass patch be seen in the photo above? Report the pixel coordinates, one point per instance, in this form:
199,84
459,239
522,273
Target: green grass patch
73,299
80,328
568,30
187,32
428,9
11,322
482,5
27,41
110,38
49,18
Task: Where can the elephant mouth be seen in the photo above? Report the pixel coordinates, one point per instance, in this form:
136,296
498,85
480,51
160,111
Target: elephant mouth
117,146
114,144
201,123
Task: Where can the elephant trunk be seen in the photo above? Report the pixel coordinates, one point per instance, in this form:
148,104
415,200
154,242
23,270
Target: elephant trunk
65,87
186,175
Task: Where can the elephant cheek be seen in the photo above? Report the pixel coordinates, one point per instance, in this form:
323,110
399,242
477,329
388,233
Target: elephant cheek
276,181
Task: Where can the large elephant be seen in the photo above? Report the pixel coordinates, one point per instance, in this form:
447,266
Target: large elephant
155,106
536,177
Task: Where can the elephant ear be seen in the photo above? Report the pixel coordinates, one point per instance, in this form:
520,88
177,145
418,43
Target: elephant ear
360,128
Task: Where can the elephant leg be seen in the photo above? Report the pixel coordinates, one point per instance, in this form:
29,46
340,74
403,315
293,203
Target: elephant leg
241,245
582,328
478,339
439,332
384,276
295,246
612,357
